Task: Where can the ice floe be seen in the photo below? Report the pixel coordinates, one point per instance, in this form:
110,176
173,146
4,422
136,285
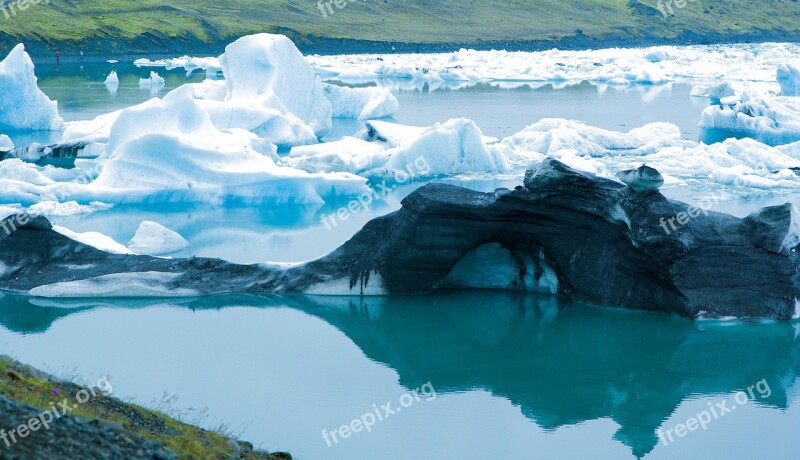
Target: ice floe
6,143
268,70
773,120
23,106
741,62
155,81
454,147
789,79
154,239
361,103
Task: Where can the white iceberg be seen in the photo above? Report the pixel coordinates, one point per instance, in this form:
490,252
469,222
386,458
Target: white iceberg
23,106
755,63
773,120
112,78
171,149
789,79
6,143
269,71
455,147
153,239
714,92
361,103
155,82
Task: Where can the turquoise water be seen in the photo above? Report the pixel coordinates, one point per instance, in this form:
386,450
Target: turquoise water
513,376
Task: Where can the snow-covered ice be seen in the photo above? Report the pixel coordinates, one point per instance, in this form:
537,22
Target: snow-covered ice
94,239
23,106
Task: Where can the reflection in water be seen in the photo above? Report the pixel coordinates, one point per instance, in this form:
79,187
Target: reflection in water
561,364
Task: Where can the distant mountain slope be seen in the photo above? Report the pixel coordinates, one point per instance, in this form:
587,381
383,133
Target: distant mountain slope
109,26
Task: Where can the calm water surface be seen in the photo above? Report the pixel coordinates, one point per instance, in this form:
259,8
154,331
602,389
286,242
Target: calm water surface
515,377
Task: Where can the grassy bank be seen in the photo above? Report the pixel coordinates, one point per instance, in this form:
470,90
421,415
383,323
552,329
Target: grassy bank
101,420
164,26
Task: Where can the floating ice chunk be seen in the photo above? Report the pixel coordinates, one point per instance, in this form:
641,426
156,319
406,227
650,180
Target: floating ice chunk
772,120
269,71
361,103
789,79
112,83
154,82
95,240
188,63
112,61
551,135
651,73
23,106
154,239
715,93
390,134
138,284
454,147
5,143
741,62
112,78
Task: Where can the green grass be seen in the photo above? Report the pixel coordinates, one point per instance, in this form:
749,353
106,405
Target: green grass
21,384
122,25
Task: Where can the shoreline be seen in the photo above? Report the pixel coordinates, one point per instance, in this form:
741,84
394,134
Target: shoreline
332,46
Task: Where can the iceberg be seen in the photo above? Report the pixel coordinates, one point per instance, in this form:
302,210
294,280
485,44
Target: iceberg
5,143
789,79
773,120
754,63
23,106
361,103
454,147
154,239
112,78
268,70
155,82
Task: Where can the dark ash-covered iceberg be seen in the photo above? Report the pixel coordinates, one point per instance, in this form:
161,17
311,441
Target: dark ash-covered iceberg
565,232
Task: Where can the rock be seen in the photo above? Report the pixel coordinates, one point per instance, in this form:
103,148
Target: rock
590,239
642,179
